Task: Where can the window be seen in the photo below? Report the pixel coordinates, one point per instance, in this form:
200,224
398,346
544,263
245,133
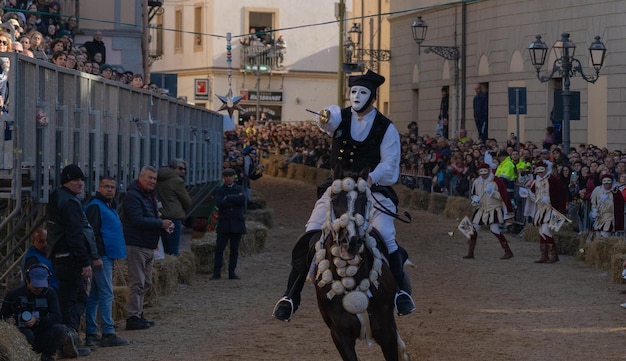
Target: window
178,27
156,37
198,37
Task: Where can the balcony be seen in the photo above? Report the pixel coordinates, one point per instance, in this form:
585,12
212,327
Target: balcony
261,58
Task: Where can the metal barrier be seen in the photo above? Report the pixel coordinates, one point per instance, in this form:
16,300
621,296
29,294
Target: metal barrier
60,116
410,179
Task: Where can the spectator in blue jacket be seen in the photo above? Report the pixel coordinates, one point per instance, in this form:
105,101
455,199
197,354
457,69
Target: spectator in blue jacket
142,230
102,214
36,253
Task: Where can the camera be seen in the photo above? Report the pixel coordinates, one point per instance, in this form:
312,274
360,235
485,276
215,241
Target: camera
26,310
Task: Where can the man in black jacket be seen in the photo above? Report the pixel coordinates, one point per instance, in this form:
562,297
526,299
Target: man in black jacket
71,246
34,309
96,46
142,229
231,223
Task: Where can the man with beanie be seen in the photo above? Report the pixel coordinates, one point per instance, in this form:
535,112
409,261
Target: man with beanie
363,138
71,246
142,229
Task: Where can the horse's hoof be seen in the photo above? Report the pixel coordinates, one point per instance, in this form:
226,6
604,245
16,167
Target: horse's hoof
283,309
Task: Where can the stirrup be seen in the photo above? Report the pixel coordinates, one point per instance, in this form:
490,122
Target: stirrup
405,302
283,309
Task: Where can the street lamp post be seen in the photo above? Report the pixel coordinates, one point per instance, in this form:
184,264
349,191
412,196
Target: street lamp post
419,29
566,66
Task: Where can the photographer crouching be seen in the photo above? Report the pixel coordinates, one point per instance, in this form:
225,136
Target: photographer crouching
34,309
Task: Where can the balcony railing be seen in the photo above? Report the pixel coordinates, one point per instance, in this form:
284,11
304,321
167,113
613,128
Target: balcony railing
261,58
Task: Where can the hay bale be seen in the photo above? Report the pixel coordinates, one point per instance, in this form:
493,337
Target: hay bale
568,241
256,238
420,200
120,272
165,275
186,267
404,195
299,172
437,203
458,207
13,345
291,170
531,233
263,216
617,265
203,250
598,253
120,296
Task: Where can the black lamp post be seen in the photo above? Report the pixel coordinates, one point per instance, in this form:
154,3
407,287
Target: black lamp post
419,29
566,66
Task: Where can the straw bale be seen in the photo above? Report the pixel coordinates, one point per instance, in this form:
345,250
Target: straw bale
531,233
420,200
120,272
437,203
617,265
254,241
598,253
165,275
404,195
120,296
264,216
257,199
458,207
291,170
13,345
299,172
186,267
203,249
567,240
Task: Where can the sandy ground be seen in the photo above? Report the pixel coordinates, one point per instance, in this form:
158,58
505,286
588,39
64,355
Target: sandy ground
481,309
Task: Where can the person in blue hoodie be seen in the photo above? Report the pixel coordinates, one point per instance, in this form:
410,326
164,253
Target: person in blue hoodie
102,214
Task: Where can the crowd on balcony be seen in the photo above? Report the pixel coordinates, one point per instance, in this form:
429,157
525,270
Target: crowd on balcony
442,165
37,29
262,44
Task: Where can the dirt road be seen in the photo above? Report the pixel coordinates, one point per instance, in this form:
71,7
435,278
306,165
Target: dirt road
481,309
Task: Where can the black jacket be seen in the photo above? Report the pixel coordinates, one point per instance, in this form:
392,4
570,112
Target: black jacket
142,225
21,299
231,206
68,228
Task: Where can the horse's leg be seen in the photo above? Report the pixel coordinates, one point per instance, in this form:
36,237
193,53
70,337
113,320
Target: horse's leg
345,344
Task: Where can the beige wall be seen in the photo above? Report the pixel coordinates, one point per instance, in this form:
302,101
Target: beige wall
498,33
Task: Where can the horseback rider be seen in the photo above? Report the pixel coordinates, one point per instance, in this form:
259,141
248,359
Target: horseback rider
363,138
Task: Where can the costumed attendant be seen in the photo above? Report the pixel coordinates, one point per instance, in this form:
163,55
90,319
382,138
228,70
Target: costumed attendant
363,138
548,193
607,208
489,194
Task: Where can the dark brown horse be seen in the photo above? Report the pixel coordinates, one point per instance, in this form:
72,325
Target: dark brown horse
355,288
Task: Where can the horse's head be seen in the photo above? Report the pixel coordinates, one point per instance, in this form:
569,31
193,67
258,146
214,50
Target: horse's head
349,214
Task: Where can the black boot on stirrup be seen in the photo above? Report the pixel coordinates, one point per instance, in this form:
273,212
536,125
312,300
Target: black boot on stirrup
403,300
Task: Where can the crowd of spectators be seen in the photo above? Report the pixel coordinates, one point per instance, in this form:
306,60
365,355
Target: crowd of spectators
442,165
37,29
268,47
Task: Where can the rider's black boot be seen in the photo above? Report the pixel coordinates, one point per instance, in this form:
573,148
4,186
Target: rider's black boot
403,300
286,306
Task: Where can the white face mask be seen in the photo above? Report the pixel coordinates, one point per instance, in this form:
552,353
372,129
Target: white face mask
359,96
